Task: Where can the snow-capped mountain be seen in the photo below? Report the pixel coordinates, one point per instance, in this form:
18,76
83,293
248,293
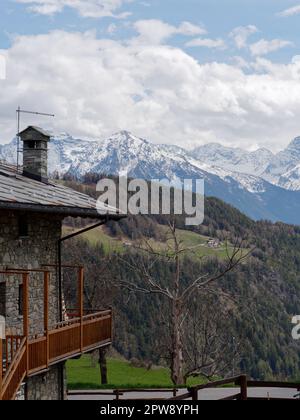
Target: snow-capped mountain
122,153
260,184
283,169
234,159
291,179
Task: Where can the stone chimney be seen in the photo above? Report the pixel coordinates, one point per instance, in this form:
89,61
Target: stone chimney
35,153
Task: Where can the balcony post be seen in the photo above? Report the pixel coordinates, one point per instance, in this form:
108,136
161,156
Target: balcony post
81,309
25,277
111,324
244,388
1,366
46,314
2,338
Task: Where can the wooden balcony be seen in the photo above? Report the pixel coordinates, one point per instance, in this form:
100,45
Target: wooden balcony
25,356
71,338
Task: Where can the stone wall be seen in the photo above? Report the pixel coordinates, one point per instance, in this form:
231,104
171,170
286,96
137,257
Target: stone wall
47,387
35,162
40,247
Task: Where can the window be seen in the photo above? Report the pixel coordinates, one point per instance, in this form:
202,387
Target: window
23,226
31,144
20,303
3,299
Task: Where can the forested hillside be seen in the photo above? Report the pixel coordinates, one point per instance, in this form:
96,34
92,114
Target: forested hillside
263,292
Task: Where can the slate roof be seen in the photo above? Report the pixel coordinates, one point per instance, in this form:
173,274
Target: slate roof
18,192
38,129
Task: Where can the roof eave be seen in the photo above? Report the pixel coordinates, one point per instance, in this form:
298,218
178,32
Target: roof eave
60,210
38,129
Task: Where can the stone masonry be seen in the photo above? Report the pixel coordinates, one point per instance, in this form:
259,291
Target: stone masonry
35,152
47,386
39,247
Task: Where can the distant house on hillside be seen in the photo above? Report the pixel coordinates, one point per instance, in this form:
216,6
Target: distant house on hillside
213,243
127,244
38,339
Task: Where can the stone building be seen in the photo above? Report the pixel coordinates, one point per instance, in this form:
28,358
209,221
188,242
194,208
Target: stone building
214,243
39,338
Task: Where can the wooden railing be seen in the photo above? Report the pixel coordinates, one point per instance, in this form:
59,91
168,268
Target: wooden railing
15,373
280,385
12,345
65,340
240,387
193,392
118,393
68,339
243,383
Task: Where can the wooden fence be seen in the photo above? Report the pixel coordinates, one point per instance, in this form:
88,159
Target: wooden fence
240,383
243,385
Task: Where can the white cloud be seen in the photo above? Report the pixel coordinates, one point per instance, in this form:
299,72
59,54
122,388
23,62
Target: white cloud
96,87
241,34
241,63
296,59
264,47
86,8
112,28
190,29
2,67
290,12
154,31
207,42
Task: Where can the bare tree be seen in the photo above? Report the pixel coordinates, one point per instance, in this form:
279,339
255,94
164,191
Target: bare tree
178,293
210,345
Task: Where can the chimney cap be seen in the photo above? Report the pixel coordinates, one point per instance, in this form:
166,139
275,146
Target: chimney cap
37,129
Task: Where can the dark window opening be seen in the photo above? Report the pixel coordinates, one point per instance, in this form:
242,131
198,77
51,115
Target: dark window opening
3,299
20,303
23,226
31,144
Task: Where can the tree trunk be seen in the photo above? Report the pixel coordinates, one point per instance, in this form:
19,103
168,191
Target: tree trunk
103,365
177,352
94,359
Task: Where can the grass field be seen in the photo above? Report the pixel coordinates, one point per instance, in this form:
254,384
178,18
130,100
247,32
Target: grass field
81,375
189,239
192,239
100,237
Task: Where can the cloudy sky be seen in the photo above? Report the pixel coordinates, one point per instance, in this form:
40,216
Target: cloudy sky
181,72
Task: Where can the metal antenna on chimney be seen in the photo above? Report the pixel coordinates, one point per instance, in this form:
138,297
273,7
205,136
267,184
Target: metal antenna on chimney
20,111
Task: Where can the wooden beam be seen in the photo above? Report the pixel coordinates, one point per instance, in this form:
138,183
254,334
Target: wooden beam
269,384
1,367
80,301
194,394
13,273
25,277
244,388
6,352
112,326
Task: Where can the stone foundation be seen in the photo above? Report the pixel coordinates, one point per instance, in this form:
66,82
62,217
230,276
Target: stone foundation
48,386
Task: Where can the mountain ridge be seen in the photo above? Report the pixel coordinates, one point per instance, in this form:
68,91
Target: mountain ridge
261,184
